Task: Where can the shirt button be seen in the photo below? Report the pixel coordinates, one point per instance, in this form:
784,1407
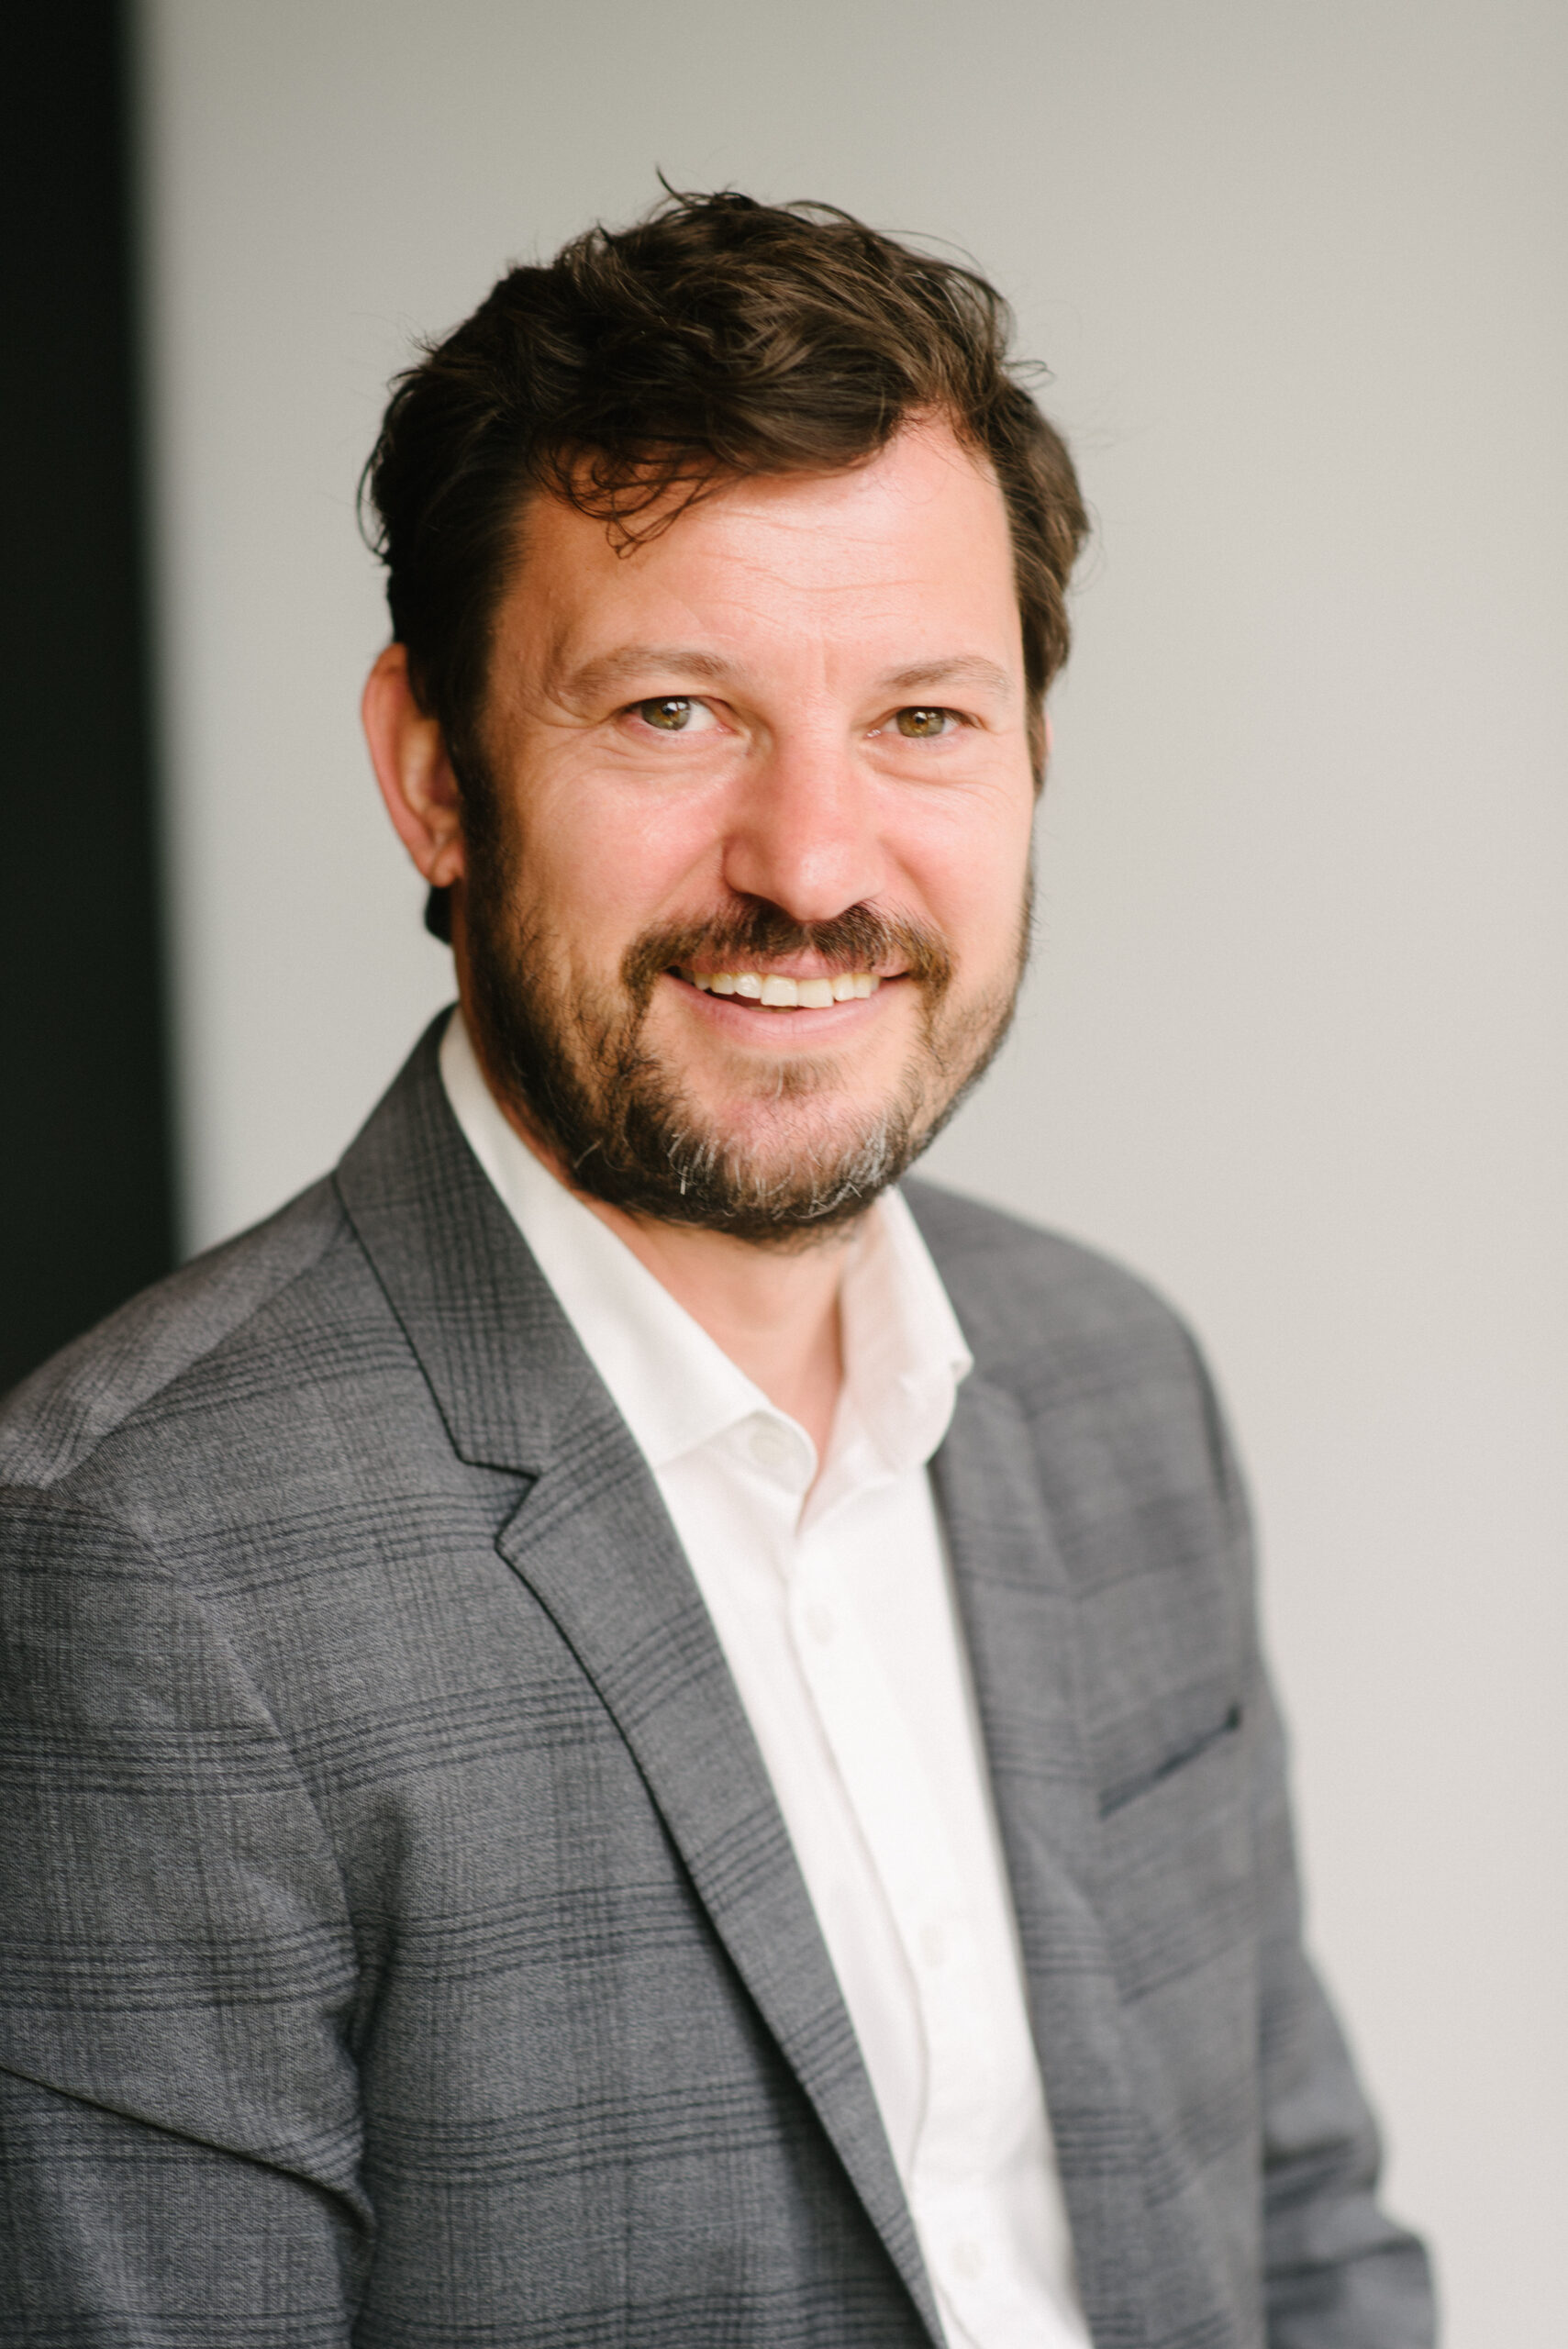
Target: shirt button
770,1446
933,1944
819,1622
968,2259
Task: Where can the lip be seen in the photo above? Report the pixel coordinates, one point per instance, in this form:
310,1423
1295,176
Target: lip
806,966
794,1029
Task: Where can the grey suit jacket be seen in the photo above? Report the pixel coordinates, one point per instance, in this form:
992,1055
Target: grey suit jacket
401,1943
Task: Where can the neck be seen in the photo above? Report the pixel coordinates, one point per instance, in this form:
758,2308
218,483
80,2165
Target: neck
775,1314
773,1311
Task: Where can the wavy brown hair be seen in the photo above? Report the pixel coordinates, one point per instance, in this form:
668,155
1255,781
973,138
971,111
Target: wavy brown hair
719,338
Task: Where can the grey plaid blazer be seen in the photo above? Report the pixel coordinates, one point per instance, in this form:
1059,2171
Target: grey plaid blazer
399,1941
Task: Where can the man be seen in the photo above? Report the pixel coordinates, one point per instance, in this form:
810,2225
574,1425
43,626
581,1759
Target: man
619,1733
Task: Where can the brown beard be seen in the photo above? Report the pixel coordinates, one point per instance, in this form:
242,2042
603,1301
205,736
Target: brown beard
584,1081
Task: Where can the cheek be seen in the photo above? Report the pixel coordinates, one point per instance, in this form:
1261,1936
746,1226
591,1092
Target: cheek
973,876
597,869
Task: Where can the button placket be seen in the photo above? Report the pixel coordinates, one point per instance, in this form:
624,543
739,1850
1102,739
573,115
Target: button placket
971,2269
884,1774
820,1621
879,1764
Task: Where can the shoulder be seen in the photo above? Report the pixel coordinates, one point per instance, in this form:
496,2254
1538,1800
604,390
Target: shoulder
221,1317
1018,1288
1104,1370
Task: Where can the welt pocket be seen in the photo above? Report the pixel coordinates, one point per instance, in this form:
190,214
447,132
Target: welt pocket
1118,1794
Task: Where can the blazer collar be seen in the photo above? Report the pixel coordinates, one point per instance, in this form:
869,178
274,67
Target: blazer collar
505,1366
593,1541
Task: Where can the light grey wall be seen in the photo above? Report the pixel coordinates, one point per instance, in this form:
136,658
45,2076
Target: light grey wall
1294,1043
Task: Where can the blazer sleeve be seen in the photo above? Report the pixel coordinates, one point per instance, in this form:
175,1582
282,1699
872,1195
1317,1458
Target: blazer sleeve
1338,2273
179,2125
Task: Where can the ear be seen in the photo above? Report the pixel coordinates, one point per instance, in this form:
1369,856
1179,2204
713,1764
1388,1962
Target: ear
409,753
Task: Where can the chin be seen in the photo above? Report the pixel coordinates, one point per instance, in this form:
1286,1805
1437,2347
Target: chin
796,1121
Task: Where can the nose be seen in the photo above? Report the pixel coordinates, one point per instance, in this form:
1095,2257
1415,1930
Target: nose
805,832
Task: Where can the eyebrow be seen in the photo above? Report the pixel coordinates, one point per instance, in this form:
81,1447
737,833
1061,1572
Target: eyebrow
634,660
964,669
631,662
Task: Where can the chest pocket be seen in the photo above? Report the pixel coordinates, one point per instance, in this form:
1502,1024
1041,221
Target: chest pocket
1176,1852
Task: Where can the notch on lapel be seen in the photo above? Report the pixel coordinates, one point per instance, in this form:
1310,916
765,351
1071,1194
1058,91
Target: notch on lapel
593,1543
1017,1609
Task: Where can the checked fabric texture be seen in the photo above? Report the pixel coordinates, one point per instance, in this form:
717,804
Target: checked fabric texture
399,1941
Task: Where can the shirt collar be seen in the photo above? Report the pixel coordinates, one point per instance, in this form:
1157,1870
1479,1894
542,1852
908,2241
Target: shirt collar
675,1387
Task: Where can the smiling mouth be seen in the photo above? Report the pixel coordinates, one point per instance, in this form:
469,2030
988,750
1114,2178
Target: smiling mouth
773,992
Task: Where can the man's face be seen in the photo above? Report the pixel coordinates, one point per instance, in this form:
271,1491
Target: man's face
778,751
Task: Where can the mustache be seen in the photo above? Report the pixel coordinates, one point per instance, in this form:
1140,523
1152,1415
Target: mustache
860,939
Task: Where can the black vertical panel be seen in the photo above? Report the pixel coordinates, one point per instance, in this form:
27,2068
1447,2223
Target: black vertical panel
85,1205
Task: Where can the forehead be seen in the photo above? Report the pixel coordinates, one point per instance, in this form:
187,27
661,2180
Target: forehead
908,555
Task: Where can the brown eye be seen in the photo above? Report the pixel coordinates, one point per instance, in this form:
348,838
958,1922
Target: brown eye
920,725
672,713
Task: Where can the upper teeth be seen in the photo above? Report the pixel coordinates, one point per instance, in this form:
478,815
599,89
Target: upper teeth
767,989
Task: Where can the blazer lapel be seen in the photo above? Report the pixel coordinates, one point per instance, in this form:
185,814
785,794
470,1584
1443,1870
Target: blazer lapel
1017,1612
593,1541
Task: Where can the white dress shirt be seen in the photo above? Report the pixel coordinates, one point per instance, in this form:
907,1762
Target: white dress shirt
831,1599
